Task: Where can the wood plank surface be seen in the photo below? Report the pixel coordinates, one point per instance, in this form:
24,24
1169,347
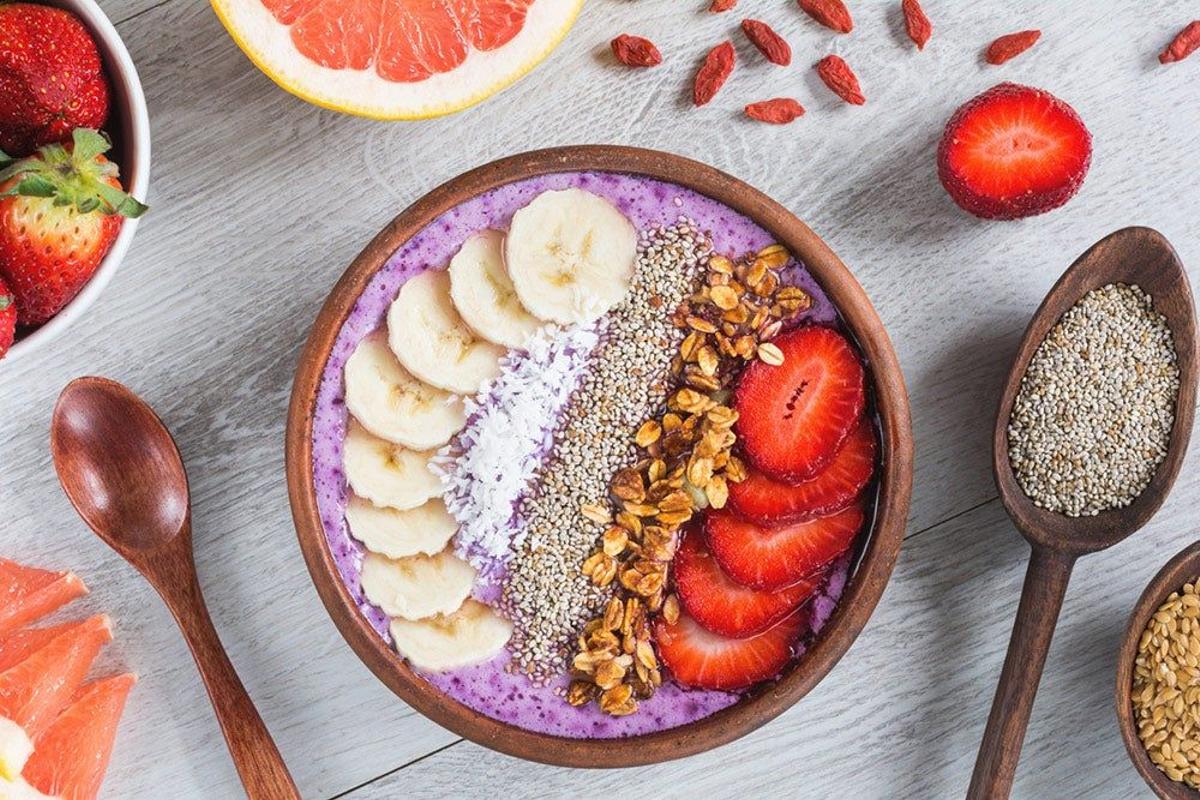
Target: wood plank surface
259,201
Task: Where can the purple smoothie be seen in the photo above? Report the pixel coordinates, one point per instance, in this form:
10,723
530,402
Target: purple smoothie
488,688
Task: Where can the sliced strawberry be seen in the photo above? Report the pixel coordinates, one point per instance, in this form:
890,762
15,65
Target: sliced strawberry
774,557
1012,152
793,417
704,660
723,606
770,502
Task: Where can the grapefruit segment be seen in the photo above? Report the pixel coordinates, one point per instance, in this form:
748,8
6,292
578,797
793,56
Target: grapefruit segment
396,59
29,593
33,692
70,756
17,646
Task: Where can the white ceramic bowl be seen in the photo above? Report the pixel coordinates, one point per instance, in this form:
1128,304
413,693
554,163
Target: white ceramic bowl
129,126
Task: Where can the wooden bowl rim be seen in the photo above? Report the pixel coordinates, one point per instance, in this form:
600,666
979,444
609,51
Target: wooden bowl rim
863,589
1176,572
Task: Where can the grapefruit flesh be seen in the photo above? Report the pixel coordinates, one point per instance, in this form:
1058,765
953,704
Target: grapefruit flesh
19,645
396,59
28,593
33,692
70,756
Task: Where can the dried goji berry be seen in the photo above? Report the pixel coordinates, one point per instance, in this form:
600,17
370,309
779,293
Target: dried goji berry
1011,46
830,13
721,5
634,51
1186,42
840,79
779,111
916,22
713,73
768,42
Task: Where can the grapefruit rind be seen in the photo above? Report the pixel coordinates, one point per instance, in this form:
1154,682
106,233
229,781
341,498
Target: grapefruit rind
268,44
15,749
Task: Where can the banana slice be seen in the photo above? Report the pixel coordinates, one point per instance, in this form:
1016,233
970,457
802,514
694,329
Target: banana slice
386,473
392,404
484,295
425,529
471,635
570,255
431,340
417,586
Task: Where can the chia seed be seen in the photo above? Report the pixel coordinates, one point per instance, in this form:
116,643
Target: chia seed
547,596
1094,413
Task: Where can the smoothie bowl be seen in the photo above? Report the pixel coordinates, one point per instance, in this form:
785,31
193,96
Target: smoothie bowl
599,457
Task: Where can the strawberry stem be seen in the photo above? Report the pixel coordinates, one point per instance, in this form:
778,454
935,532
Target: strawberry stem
77,175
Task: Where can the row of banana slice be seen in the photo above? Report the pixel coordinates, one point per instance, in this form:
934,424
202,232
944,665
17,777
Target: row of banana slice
568,257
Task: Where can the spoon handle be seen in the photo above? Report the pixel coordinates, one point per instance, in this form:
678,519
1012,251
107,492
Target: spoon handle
1041,600
261,768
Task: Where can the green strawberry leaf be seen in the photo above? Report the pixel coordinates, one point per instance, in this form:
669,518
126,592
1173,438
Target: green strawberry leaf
35,186
6,300
88,144
119,202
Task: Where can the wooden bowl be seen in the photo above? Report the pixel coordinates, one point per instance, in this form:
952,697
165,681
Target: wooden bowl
863,588
1179,570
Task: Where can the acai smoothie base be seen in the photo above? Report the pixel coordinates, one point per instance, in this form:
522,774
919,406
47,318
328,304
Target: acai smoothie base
494,688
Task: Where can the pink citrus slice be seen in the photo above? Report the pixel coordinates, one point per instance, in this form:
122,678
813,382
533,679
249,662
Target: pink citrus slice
29,593
33,692
71,756
396,59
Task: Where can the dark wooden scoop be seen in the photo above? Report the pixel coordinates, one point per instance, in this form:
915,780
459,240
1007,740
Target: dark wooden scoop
123,473
1133,256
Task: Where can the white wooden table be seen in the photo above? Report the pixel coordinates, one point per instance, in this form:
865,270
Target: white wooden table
258,203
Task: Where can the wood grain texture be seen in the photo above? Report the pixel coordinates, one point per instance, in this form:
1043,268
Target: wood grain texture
260,201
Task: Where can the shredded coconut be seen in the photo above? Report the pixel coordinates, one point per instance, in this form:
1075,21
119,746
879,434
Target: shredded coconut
510,428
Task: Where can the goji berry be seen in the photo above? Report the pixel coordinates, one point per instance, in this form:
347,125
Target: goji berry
721,5
916,23
1186,42
830,13
769,43
779,111
840,79
713,73
1011,46
634,51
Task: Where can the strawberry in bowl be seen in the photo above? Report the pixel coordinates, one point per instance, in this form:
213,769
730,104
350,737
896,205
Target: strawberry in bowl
60,212
68,95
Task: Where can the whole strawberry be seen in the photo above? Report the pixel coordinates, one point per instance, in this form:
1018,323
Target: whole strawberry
51,78
8,319
60,211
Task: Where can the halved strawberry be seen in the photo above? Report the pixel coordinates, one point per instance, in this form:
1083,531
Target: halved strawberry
704,660
775,557
1013,151
770,502
793,417
723,606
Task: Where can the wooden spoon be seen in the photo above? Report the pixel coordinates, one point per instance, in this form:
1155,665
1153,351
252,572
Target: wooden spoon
123,473
1133,256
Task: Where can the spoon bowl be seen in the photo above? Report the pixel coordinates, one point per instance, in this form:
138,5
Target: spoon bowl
1138,256
119,466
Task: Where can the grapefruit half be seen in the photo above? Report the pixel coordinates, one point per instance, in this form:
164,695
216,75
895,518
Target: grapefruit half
396,59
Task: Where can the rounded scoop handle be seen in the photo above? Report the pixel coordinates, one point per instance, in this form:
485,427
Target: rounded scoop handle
1041,600
261,768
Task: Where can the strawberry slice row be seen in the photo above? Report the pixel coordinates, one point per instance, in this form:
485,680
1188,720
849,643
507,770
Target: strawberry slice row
744,577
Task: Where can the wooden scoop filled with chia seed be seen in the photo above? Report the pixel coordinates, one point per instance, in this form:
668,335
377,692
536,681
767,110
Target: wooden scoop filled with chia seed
1091,431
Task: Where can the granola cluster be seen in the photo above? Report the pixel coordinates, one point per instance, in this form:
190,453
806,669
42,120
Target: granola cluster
685,465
